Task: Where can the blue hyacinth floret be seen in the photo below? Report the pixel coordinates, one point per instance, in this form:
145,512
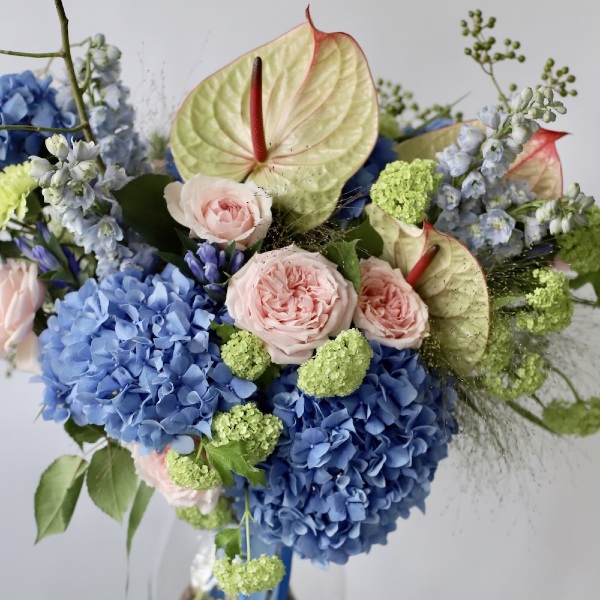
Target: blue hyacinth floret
136,356
26,100
346,468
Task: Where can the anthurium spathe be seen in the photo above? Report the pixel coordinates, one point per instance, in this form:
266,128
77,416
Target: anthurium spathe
320,119
453,287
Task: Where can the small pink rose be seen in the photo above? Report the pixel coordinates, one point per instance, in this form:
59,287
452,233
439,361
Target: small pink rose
220,210
21,295
153,470
389,310
293,300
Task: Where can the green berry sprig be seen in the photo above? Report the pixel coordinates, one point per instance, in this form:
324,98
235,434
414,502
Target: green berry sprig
560,80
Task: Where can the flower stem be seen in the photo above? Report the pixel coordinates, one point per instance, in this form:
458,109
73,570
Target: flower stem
77,95
247,519
58,54
42,129
567,381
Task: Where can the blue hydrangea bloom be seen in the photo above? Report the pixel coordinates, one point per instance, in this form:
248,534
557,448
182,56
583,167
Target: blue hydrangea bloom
346,468
355,194
136,356
26,100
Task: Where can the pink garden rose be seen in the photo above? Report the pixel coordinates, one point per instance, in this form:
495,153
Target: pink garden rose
293,300
21,295
153,470
220,210
389,310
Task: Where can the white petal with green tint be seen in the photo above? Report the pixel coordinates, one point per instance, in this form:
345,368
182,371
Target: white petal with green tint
320,118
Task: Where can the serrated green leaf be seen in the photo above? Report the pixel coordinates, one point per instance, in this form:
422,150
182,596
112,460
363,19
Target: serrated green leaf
369,242
453,287
230,540
320,121
138,508
57,495
343,254
86,434
145,211
112,481
232,457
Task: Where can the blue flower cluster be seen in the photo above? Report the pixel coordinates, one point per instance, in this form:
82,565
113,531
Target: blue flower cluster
355,194
110,113
212,267
136,356
473,199
26,100
346,468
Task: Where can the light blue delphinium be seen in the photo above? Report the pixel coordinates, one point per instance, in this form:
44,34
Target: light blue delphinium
110,113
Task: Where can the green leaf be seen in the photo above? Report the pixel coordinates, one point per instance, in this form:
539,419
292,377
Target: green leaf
178,261
370,243
9,250
539,165
140,503
224,330
112,481
57,495
232,457
320,121
453,287
145,211
61,276
188,242
592,278
34,208
87,434
343,254
526,414
230,540
55,248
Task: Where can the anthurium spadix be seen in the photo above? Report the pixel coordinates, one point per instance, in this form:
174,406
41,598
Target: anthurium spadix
319,113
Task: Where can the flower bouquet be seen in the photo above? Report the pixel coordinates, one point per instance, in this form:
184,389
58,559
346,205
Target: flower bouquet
281,316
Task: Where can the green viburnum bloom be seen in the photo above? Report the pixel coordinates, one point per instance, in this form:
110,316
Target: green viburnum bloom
246,355
246,423
581,247
15,186
578,418
522,380
249,577
219,517
189,471
498,351
403,189
549,306
338,366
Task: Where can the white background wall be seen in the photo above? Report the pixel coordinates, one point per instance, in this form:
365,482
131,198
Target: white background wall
537,534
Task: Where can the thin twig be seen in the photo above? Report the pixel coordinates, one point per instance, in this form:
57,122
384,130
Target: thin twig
77,95
43,129
58,54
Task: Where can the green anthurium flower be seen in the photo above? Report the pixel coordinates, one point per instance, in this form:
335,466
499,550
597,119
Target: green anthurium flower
320,122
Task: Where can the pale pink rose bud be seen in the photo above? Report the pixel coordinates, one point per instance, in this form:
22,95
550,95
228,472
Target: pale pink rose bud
21,295
220,210
293,300
153,470
389,311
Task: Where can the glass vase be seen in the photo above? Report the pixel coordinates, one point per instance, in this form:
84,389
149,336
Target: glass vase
180,543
